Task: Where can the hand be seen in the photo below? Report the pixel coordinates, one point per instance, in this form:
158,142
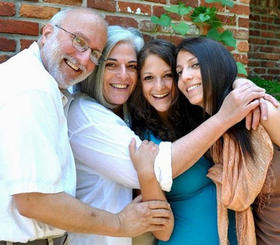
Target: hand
261,112
239,103
139,217
144,157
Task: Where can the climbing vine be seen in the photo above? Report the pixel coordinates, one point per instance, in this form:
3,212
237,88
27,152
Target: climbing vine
204,18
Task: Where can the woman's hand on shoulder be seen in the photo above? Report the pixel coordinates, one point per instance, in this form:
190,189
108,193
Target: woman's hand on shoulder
143,157
272,124
259,113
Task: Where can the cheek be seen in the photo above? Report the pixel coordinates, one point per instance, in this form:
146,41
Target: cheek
145,90
133,80
181,85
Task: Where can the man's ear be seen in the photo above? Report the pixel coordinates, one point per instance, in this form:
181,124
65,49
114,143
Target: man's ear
46,32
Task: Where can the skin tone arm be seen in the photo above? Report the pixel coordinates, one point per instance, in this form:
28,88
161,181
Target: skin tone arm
64,211
143,160
259,113
272,123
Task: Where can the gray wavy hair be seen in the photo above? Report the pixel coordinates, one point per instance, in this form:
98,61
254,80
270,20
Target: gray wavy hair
93,85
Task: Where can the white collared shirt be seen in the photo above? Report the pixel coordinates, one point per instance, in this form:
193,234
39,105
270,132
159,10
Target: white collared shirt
105,174
35,154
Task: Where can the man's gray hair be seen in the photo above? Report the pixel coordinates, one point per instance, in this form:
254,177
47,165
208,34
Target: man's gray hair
93,85
58,18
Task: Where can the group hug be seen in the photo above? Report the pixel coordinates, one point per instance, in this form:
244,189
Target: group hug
110,140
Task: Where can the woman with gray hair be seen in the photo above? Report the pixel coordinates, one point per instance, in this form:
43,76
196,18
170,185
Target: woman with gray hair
105,174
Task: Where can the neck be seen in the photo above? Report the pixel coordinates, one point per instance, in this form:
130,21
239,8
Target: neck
118,111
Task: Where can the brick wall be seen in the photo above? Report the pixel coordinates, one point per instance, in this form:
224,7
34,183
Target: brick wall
264,54
21,21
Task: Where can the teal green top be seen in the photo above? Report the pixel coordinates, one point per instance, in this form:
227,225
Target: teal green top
194,204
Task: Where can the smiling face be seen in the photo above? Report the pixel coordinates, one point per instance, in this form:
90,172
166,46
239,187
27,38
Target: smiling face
120,74
190,82
157,83
64,62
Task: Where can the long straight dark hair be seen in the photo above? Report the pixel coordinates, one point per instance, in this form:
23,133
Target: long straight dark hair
218,72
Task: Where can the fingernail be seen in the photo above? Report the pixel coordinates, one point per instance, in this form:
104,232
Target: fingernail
264,118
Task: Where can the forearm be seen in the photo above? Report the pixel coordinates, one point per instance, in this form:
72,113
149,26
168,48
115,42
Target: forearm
65,212
150,190
187,150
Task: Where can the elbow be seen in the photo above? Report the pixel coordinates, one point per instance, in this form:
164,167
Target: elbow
23,205
165,236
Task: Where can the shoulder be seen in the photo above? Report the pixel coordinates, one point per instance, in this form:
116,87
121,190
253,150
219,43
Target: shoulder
272,123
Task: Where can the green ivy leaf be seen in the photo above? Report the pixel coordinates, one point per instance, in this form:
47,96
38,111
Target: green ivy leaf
181,28
227,38
163,20
213,34
223,2
241,68
180,9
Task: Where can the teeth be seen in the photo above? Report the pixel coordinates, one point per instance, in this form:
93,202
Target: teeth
76,68
119,85
160,95
193,87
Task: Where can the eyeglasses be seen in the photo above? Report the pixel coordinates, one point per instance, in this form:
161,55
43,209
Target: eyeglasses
81,45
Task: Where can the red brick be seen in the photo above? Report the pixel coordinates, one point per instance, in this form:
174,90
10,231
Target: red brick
241,34
274,71
274,42
174,39
243,22
268,64
227,19
159,10
134,8
240,9
192,3
25,43
277,21
268,77
7,9
241,58
217,5
243,46
66,2
254,48
8,45
267,34
270,49
147,26
122,21
270,56
19,27
4,58
252,63
254,17
108,5
254,33
257,40
259,70
157,1
39,12
267,19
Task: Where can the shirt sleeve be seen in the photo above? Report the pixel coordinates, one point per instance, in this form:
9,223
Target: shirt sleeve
29,127
100,140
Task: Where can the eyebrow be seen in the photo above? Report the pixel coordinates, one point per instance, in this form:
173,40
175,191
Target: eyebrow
113,59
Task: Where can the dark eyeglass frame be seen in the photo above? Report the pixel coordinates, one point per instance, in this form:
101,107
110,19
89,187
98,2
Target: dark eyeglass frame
95,53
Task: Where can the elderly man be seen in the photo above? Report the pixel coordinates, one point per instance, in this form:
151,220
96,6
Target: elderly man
37,171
